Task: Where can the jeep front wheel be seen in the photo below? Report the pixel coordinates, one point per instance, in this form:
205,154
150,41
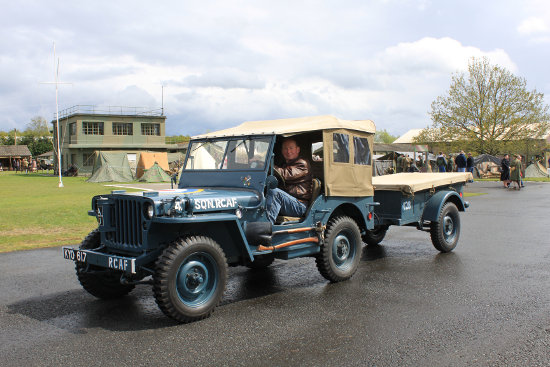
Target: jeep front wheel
100,282
341,250
190,278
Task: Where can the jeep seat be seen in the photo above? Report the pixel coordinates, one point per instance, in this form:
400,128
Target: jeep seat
316,188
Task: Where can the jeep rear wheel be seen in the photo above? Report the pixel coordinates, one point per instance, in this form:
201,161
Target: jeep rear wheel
261,261
341,250
100,282
445,232
376,235
190,278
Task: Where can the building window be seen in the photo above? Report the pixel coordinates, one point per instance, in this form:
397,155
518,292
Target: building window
150,129
120,128
88,159
72,128
92,128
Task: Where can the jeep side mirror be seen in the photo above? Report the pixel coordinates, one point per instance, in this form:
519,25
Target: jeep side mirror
271,182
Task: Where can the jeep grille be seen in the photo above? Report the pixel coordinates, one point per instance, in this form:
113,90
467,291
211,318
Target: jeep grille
126,217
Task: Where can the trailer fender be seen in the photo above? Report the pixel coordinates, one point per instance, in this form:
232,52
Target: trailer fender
436,202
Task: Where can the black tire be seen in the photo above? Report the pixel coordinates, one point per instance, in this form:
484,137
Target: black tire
341,250
100,282
376,235
190,278
446,231
261,261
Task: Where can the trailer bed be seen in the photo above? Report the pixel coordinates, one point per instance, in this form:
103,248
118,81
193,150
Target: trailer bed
410,183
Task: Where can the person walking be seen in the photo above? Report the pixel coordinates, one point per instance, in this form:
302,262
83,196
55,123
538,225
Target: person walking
441,162
470,163
515,171
461,162
25,165
505,171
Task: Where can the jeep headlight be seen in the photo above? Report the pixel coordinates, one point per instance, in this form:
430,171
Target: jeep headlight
148,210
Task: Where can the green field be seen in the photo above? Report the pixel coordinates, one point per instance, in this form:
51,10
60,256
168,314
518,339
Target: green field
35,212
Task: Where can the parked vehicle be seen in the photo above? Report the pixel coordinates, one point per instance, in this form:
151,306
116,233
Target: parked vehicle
182,240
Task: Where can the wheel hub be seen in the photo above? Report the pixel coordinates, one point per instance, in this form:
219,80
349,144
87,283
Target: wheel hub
448,226
342,248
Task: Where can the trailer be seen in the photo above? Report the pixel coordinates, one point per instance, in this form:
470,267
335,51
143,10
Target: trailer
427,201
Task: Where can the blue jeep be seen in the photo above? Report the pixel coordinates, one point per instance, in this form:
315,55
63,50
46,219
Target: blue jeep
182,240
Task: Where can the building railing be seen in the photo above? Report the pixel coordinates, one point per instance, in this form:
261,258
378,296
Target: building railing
109,110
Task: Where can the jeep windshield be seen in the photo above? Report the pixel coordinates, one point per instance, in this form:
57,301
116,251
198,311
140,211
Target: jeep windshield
228,154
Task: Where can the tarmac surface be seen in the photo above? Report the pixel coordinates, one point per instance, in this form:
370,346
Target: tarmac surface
485,304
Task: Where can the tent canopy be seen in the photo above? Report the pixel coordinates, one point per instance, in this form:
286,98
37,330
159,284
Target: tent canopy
111,166
147,159
536,170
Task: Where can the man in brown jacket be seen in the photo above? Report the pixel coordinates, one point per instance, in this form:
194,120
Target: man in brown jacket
296,172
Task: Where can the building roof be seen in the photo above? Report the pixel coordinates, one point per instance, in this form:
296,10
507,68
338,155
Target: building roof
293,126
14,151
408,137
381,147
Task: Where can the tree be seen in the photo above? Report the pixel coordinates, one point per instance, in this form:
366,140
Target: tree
382,136
488,109
38,127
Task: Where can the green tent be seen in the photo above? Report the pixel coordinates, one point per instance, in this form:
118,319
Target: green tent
111,166
155,174
536,170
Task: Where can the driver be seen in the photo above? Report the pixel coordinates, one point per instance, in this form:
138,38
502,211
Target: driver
296,172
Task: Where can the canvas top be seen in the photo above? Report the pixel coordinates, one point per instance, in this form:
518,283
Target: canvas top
293,126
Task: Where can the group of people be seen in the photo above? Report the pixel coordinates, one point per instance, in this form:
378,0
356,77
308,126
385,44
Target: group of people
511,172
460,163
24,165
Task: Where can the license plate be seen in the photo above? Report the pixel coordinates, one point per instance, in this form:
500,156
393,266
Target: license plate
75,255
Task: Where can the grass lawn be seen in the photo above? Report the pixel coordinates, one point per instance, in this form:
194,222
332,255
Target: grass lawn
35,212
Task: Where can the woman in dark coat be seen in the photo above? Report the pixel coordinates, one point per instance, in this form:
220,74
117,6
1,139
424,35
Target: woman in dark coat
505,171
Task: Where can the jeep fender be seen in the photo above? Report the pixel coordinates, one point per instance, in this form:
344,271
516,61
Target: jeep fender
225,229
436,202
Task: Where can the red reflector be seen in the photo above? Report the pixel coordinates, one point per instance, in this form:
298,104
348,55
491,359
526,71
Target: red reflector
369,217
460,194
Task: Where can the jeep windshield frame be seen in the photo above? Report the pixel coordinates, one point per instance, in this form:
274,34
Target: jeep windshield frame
236,161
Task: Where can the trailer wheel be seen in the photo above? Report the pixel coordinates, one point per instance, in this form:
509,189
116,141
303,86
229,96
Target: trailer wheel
376,235
190,278
97,281
446,230
341,250
261,261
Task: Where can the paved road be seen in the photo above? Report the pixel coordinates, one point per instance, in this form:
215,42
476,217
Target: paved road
486,304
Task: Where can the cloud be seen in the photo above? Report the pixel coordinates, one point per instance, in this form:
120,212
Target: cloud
532,25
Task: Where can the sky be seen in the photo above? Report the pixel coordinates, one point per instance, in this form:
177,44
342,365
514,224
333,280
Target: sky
214,64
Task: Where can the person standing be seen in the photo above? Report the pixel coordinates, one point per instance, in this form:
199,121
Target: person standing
441,162
450,164
25,165
470,164
515,171
461,162
399,163
505,171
